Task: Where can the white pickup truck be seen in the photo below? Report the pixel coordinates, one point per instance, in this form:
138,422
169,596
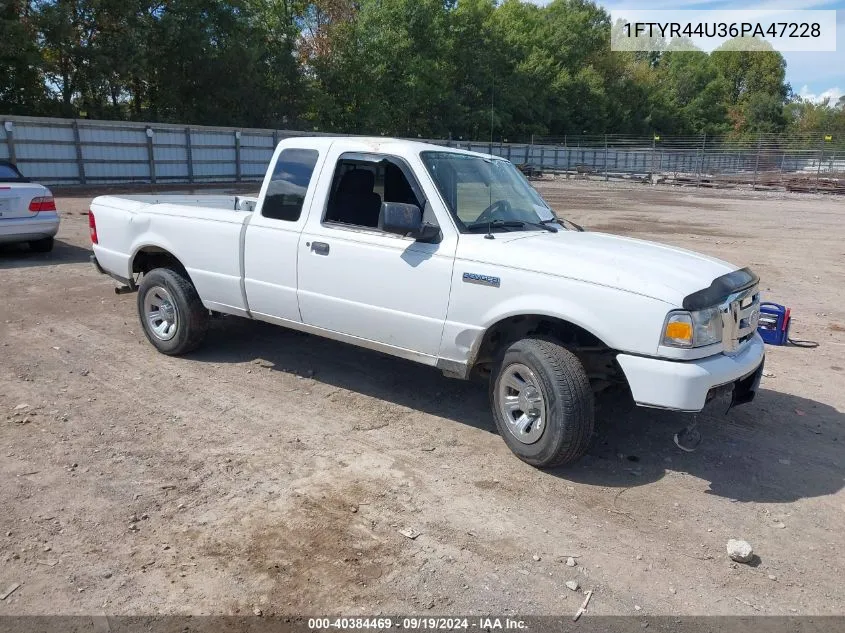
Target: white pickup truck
451,259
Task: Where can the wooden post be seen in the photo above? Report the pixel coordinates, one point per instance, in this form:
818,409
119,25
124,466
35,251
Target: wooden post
80,162
757,161
189,154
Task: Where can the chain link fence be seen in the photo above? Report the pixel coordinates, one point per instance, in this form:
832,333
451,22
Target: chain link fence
791,162
84,152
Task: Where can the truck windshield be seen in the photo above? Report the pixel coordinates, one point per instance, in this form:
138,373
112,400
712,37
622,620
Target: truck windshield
487,193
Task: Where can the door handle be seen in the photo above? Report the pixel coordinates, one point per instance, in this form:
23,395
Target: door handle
321,248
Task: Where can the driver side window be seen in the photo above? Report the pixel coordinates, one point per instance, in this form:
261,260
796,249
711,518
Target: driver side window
360,186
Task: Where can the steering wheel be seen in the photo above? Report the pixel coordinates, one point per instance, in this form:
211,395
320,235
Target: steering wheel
500,207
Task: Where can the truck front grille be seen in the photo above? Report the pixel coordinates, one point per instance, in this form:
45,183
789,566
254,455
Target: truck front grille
740,315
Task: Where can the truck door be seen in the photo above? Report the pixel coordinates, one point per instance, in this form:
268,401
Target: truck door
272,236
359,280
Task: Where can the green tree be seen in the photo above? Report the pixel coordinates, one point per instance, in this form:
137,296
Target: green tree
815,119
523,70
224,63
387,70
696,92
65,29
22,88
757,90
466,68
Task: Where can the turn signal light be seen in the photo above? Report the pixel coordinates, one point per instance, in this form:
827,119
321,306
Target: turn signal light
677,330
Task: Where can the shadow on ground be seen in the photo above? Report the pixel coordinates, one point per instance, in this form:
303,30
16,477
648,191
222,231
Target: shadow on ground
777,449
21,256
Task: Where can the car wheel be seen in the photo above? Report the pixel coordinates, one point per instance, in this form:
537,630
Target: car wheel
542,402
42,246
171,312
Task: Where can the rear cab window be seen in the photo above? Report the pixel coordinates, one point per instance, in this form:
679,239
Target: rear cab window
289,183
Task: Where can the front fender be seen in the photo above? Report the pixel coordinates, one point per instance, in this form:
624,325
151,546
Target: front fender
624,321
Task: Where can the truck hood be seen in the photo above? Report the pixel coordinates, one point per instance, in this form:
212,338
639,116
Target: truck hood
646,268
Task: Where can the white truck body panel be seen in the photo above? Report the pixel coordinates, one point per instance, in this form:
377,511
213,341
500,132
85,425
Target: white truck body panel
411,298
375,285
207,240
271,251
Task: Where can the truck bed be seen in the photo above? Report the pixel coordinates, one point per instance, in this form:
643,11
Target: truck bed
204,232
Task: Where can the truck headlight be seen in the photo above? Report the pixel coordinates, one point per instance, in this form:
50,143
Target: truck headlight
693,329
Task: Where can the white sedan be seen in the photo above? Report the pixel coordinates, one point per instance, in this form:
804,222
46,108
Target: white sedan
27,211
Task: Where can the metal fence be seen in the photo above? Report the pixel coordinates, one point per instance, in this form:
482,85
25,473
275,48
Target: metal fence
84,152
65,151
792,162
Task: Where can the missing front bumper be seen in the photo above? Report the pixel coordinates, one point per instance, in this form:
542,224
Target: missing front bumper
740,391
746,387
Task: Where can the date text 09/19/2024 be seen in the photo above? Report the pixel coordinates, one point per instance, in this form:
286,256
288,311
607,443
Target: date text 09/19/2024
418,623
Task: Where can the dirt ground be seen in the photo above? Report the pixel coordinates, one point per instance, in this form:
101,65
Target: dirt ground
274,470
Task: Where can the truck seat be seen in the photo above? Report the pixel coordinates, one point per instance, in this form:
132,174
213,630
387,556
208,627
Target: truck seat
355,202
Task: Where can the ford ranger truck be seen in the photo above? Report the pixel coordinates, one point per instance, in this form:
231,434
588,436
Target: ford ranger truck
451,259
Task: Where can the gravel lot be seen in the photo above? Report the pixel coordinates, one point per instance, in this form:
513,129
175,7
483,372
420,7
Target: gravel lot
274,470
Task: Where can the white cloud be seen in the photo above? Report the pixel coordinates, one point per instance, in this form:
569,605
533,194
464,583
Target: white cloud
831,93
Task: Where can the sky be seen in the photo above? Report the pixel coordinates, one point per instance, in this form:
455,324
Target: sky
813,76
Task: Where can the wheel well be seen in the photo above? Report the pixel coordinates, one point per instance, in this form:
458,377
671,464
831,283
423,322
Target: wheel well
150,257
598,358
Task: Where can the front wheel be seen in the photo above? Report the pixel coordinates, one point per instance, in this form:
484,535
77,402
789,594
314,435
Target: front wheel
171,312
542,402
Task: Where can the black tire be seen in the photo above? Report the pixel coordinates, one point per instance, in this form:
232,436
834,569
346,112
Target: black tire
191,315
568,401
42,246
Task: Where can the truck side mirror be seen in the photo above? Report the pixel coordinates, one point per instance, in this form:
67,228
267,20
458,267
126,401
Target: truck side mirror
406,219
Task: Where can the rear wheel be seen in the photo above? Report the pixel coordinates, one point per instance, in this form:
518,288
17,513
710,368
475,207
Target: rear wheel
42,246
171,312
542,402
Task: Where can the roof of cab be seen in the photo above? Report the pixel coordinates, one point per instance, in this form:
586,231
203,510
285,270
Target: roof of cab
379,143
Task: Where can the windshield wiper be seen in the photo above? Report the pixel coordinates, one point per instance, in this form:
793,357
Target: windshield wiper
542,225
507,224
493,224
560,221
